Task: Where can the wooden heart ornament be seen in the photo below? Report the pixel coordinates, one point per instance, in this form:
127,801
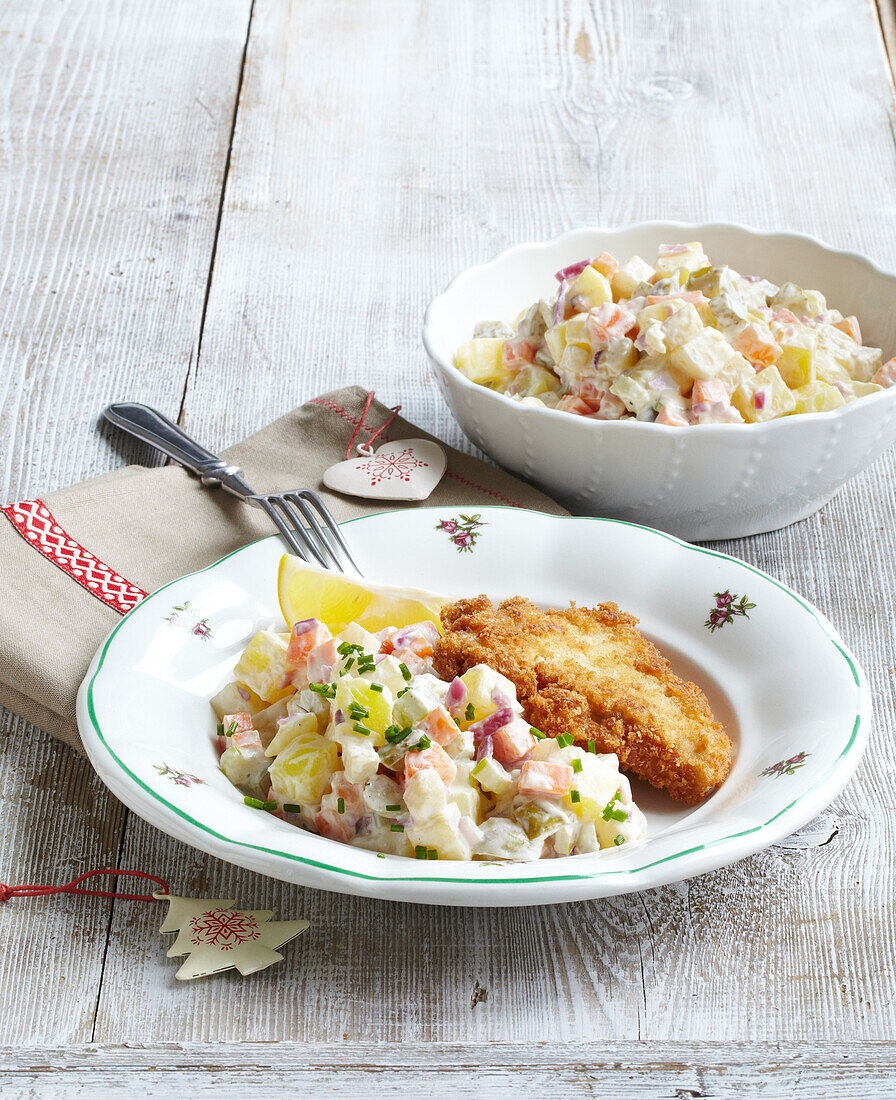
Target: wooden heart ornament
408,469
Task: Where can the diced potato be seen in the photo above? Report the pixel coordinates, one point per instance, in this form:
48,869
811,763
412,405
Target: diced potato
266,720
425,794
302,772
359,757
796,365
464,794
852,390
681,259
246,767
737,370
356,690
629,276
534,380
705,355
827,369
492,776
263,667
575,362
596,784
817,397
289,729
763,397
232,699
864,363
441,832
619,355
682,326
503,839
591,289
481,683
357,635
481,361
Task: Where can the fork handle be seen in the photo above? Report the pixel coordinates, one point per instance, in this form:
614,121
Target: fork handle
152,427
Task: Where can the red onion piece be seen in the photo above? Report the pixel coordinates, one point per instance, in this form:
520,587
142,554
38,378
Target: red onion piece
565,274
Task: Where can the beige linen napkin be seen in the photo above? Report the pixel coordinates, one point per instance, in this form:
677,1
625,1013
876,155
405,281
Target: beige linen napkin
151,525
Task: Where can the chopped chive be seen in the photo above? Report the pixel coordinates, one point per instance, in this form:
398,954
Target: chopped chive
327,690
618,795
380,855
422,744
577,765
396,828
389,809
344,648
231,730
403,691
574,796
405,671
610,813
348,664
363,730
420,852
592,746
470,712
617,840
537,734
479,767
394,734
376,687
358,710
257,804
220,729
292,808
432,854
340,805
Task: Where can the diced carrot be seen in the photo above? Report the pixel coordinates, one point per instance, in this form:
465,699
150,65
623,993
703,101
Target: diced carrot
538,777
673,416
319,662
709,390
246,740
786,317
243,722
610,408
575,405
518,352
607,321
440,726
756,345
335,826
886,375
433,757
850,325
606,264
306,635
350,793
513,741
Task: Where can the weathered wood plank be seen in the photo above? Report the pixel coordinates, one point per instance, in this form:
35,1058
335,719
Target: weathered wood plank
115,121
802,1071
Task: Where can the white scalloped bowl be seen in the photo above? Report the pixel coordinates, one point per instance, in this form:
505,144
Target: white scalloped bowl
704,482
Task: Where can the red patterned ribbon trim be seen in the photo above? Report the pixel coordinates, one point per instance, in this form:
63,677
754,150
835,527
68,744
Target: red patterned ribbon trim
36,524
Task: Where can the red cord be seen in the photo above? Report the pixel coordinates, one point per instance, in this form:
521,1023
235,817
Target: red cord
395,411
31,890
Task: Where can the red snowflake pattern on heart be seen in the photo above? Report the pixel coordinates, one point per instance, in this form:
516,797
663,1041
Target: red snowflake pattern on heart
394,464
224,928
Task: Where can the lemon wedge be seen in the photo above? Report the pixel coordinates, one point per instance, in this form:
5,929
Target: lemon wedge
309,592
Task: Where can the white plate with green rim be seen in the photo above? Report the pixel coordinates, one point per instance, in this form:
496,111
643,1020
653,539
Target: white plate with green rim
776,672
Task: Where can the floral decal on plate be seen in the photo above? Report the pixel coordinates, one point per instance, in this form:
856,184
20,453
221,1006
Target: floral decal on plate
727,606
787,767
182,779
463,530
223,928
184,616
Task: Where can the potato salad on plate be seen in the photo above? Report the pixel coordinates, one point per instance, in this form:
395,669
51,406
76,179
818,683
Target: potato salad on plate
352,736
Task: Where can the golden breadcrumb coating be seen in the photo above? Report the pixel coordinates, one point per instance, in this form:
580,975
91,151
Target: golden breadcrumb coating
590,671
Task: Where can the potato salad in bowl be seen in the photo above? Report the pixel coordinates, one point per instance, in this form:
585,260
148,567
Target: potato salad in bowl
352,736
680,342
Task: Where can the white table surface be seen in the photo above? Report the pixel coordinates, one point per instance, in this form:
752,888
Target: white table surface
221,207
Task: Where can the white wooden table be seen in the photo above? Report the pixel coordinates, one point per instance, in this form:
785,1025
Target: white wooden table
223,206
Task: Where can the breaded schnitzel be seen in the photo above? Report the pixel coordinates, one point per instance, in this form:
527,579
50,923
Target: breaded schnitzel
590,671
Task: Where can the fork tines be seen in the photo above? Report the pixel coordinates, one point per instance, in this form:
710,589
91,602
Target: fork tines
291,512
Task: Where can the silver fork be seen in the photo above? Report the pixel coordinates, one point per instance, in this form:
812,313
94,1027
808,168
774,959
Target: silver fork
321,537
